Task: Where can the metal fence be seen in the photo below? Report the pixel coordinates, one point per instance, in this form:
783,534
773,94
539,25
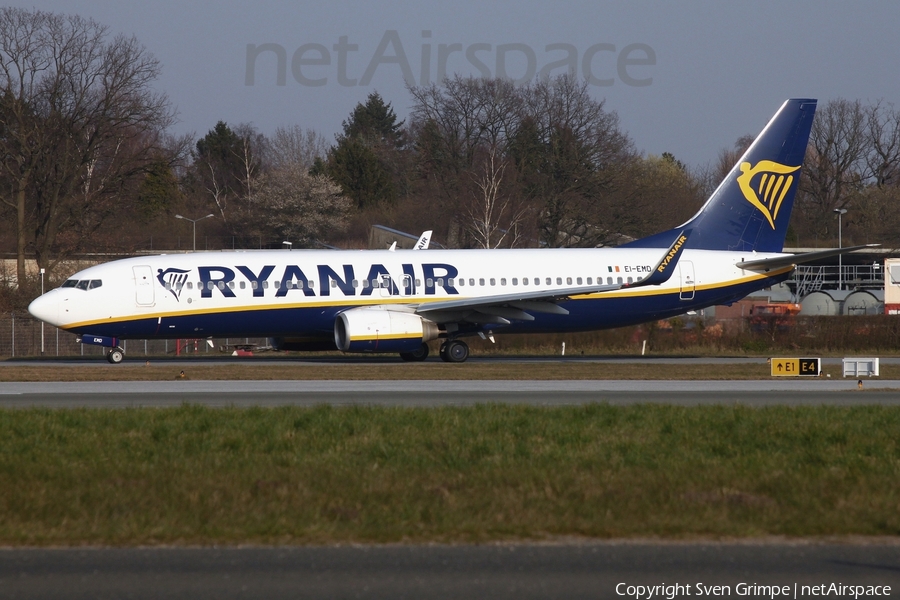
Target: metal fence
24,336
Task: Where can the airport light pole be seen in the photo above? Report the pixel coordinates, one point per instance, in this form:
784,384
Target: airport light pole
840,213
42,323
194,223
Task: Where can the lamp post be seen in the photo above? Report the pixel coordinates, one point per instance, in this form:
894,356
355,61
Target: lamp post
42,323
194,223
840,213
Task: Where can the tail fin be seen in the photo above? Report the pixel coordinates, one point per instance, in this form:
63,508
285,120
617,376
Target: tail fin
751,208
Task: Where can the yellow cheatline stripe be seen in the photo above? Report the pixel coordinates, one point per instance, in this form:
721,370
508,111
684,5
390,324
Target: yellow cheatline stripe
639,292
644,291
378,337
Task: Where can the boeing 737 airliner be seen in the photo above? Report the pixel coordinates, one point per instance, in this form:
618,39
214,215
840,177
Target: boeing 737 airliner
398,300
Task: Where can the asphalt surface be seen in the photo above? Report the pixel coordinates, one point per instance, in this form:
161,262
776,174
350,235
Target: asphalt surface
115,394
579,569
566,571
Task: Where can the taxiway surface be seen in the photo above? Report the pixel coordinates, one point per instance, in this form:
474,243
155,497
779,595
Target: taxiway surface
123,394
566,571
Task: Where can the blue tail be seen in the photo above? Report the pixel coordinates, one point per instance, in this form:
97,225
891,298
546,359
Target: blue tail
751,208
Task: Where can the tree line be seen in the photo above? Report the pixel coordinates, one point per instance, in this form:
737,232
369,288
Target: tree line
89,163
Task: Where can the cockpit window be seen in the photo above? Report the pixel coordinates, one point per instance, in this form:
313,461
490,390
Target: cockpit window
83,284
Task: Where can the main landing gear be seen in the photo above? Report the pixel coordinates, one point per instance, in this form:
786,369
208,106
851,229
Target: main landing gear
454,351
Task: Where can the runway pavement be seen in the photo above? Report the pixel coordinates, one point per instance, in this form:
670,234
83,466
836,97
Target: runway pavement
521,571
113,394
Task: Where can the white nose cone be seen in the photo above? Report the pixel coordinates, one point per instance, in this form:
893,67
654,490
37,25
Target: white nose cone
46,308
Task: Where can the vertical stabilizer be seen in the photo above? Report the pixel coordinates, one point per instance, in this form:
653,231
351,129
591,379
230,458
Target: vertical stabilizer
751,208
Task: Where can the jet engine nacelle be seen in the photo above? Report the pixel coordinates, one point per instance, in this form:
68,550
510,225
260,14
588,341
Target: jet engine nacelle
375,329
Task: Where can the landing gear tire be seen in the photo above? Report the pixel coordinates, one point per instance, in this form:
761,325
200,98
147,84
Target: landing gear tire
416,355
115,356
454,351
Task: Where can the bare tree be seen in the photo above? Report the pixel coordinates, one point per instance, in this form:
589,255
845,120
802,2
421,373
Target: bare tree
78,119
457,118
836,168
883,158
295,145
494,216
572,156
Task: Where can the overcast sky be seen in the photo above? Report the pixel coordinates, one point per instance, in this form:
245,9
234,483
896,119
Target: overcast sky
684,77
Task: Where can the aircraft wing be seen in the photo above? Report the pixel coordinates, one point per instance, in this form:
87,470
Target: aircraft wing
766,264
499,309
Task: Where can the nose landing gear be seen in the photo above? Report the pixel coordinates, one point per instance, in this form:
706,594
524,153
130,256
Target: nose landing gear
115,355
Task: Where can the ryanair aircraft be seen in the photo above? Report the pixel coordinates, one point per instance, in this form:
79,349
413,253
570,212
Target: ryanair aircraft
398,300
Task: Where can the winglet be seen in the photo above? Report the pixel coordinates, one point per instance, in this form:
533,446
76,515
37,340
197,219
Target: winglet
423,241
666,266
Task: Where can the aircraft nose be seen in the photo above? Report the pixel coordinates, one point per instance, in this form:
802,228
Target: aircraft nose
45,308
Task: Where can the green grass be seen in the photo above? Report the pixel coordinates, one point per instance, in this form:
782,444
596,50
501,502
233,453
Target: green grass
194,475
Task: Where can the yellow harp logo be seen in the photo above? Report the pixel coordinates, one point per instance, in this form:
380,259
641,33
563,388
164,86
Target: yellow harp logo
767,191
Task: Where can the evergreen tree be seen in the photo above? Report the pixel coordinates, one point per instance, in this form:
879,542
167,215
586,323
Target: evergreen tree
374,122
361,162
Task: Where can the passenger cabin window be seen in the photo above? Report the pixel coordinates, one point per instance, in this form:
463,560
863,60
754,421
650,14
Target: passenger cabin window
515,281
472,282
190,285
549,281
568,281
503,281
481,281
493,281
578,281
590,280
244,285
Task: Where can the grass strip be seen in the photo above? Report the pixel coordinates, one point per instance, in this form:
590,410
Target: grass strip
194,475
397,370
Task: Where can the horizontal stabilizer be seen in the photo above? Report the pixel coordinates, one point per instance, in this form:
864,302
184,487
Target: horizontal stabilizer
776,262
